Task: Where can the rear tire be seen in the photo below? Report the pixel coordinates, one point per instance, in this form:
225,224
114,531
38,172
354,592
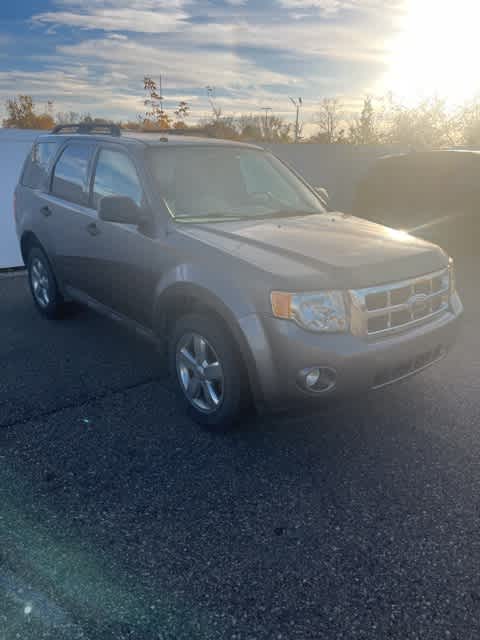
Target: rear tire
204,361
43,285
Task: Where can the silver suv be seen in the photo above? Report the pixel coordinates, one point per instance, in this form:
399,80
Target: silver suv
230,259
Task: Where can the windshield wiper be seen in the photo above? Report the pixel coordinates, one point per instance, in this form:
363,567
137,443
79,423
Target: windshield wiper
210,216
286,213
283,213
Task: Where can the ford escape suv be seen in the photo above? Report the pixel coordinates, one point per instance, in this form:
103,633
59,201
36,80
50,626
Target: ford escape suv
223,254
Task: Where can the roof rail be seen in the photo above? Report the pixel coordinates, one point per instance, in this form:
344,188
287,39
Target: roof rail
88,128
190,131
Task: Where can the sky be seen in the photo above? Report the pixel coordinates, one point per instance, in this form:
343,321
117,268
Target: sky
91,55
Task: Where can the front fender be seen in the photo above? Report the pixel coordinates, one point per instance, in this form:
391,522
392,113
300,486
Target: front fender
212,287
232,304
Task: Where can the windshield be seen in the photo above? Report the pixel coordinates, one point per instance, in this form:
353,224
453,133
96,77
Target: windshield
208,182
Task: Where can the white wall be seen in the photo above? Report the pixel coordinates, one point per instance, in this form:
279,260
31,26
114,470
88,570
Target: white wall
14,146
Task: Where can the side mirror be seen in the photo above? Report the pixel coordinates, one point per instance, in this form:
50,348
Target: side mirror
323,193
119,209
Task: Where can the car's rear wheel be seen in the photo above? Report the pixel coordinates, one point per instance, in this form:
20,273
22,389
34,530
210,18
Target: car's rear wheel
204,361
43,285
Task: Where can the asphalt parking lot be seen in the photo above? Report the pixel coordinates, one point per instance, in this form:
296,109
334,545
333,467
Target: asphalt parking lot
120,519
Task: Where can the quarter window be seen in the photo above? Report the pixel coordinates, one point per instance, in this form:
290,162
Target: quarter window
115,175
70,177
36,167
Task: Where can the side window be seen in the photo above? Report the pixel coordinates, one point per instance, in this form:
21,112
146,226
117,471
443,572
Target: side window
36,166
70,176
115,175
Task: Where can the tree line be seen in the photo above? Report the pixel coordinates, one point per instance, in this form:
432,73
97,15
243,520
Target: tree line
429,124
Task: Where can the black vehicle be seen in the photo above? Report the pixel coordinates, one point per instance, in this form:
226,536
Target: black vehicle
432,194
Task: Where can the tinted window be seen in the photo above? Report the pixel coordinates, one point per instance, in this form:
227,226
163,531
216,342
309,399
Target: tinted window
115,175
71,174
36,167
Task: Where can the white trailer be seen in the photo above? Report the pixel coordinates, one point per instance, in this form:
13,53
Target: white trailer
14,146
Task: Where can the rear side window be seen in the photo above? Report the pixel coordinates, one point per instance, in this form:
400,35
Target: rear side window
38,162
70,176
115,175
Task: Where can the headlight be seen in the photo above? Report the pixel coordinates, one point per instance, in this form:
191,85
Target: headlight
451,271
322,311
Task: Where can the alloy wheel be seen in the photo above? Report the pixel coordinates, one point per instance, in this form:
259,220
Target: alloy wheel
40,282
200,372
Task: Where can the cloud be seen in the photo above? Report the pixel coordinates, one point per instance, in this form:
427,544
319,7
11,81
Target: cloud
147,16
328,6
335,6
306,40
185,67
75,90
114,20
254,53
302,36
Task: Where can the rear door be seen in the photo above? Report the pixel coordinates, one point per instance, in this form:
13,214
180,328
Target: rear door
30,210
70,215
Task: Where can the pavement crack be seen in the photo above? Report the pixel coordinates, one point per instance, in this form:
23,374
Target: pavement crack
79,402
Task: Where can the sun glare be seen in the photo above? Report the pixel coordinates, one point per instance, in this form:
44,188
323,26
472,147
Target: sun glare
398,234
436,52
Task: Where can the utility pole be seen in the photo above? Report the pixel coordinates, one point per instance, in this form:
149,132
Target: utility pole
266,109
297,104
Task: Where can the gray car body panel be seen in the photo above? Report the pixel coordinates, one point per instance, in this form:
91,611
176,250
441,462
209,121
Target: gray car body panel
233,266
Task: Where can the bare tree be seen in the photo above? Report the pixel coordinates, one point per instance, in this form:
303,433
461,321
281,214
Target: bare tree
364,130
155,115
216,110
68,117
181,113
429,124
468,123
21,114
329,120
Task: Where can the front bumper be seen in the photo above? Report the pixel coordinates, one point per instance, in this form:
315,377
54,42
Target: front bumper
280,349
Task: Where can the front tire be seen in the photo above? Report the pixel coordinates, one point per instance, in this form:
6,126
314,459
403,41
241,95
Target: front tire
205,363
43,284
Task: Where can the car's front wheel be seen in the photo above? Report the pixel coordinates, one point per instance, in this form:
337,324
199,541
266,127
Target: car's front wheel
43,285
204,360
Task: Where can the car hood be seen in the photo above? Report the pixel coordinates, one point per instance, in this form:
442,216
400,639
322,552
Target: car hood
346,250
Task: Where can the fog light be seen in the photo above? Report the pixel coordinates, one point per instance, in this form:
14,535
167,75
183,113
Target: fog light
317,379
312,378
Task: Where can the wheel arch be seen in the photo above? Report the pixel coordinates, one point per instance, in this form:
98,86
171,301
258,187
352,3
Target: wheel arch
182,298
27,242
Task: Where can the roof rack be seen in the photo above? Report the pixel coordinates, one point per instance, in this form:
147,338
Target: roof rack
88,128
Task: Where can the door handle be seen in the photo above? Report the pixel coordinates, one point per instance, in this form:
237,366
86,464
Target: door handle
46,211
92,229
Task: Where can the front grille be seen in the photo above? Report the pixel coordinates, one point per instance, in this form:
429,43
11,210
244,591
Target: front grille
393,307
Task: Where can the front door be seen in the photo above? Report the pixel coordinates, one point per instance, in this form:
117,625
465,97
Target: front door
123,255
